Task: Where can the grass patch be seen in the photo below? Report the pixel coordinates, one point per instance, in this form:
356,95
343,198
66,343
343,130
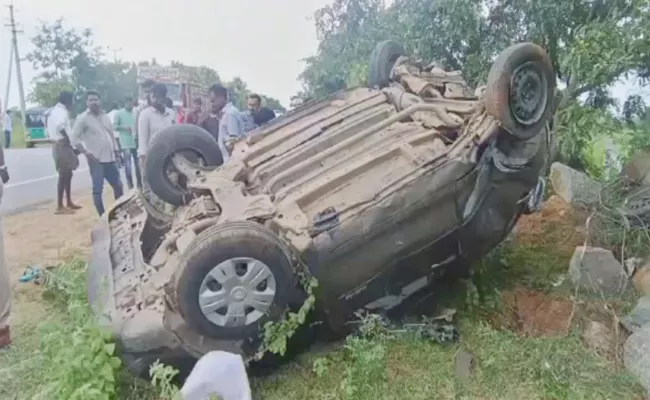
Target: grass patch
505,367
376,364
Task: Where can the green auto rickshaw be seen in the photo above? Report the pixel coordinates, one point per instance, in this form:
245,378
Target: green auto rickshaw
35,119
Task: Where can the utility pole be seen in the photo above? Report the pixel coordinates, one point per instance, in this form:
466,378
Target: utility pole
115,51
19,74
11,60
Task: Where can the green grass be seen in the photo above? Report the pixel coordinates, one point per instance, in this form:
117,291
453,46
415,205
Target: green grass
505,367
402,366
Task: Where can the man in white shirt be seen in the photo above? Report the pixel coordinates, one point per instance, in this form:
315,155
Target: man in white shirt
111,115
93,136
65,159
7,126
233,124
152,120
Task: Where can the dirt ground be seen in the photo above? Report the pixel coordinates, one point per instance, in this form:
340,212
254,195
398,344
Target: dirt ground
40,238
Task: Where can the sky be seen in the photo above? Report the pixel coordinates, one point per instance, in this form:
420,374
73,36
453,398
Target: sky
261,41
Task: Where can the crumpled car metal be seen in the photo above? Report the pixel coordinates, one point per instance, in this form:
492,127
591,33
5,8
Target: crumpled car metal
376,192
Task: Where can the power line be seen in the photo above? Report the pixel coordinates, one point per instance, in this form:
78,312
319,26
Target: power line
16,54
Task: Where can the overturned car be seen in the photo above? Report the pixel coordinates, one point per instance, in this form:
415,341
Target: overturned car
375,192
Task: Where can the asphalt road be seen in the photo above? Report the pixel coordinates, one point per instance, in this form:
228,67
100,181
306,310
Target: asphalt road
33,179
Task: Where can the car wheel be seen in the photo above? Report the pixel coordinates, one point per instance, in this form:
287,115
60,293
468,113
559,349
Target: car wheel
382,61
194,144
235,277
520,90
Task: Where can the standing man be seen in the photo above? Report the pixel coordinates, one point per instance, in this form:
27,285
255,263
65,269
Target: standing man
169,103
93,136
111,115
124,125
193,117
232,123
8,127
261,115
210,120
65,158
146,89
152,120
5,278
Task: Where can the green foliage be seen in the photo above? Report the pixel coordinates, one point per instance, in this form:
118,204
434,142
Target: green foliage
161,378
79,356
365,369
591,44
277,334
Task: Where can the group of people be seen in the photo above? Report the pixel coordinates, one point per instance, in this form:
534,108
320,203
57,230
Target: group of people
122,138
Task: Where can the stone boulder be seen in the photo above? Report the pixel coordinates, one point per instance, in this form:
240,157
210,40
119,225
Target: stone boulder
636,355
596,270
574,187
639,316
637,170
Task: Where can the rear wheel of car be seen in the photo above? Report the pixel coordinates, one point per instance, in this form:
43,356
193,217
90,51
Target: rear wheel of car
382,61
520,90
193,143
234,278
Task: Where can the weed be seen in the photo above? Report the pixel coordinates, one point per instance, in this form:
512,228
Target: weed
276,334
161,378
79,355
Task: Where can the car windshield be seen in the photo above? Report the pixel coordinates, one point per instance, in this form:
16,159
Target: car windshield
35,120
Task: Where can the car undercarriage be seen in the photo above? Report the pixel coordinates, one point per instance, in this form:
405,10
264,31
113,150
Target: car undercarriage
376,192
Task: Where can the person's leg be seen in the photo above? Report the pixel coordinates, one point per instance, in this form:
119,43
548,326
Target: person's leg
5,296
112,175
136,167
68,193
97,177
7,139
126,155
61,188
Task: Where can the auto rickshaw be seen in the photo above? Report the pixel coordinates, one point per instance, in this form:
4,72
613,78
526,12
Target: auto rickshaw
35,126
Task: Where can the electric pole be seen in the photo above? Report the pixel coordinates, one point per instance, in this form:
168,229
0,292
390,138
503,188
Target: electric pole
11,60
19,74
115,51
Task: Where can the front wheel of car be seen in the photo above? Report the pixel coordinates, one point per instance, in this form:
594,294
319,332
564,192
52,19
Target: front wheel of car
185,145
520,90
234,278
382,60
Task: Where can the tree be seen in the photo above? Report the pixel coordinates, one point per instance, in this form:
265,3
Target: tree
592,43
66,59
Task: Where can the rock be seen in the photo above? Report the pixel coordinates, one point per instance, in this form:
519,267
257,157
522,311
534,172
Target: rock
599,337
596,269
637,170
639,316
636,355
463,365
574,187
641,280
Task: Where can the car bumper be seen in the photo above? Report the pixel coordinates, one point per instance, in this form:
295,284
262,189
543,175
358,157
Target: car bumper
140,338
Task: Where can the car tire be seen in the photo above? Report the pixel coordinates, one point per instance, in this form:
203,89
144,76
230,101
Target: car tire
382,60
175,138
207,257
506,91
